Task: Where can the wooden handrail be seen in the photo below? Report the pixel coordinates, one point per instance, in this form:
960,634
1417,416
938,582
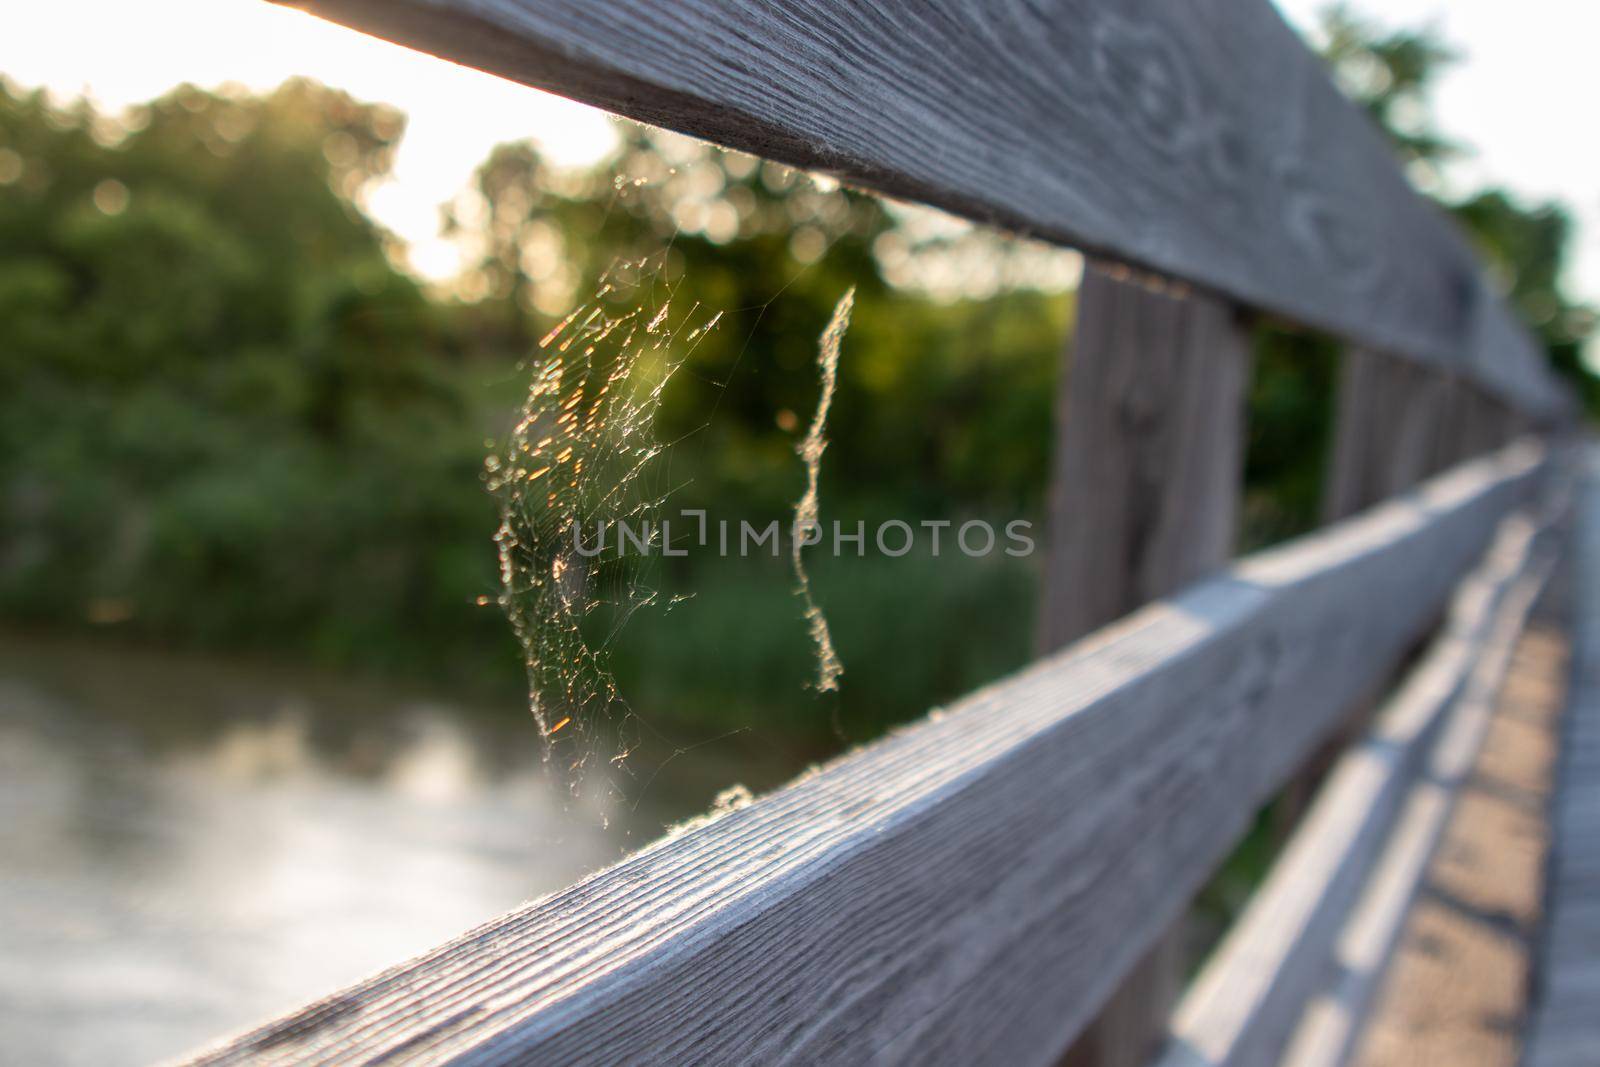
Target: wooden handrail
1564,1028
1200,139
1254,992
914,898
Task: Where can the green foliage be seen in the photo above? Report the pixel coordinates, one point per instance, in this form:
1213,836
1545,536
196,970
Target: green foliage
1526,247
913,632
937,398
227,419
943,408
1290,425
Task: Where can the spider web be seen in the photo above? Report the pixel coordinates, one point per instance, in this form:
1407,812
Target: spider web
580,462
585,456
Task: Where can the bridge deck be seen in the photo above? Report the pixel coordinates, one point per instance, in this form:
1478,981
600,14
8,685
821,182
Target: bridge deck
1500,960
1565,1029
1457,988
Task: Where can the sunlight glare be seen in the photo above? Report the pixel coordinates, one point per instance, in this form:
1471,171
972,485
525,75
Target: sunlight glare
455,114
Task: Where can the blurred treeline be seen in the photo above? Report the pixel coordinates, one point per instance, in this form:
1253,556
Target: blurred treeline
229,419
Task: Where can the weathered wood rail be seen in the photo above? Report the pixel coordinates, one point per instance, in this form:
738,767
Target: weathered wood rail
1373,826
1001,882
1565,1030
1199,140
969,889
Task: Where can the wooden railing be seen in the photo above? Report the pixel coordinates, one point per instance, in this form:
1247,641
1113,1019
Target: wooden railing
970,889
1001,882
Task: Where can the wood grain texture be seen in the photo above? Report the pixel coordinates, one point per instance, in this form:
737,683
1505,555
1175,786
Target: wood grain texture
967,890
1198,139
1144,500
1149,452
1565,1029
1247,1001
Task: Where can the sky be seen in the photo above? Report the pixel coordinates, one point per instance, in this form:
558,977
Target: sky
1523,95
259,45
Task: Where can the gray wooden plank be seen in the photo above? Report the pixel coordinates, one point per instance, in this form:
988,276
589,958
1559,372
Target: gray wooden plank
1198,139
1246,1003
1565,1027
1149,452
1144,500
1387,427
969,889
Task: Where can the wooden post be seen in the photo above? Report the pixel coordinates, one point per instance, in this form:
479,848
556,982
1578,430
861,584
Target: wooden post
1149,452
1451,445
1397,422
1387,431
1145,499
1493,423
1473,423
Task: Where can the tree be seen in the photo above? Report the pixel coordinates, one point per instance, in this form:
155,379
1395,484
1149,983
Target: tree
731,233
215,389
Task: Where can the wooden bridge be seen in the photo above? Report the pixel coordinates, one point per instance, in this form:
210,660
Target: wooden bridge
1001,882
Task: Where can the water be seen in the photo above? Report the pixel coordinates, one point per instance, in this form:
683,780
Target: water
190,846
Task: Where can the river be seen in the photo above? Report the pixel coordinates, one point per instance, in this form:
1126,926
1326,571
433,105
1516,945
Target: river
190,845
